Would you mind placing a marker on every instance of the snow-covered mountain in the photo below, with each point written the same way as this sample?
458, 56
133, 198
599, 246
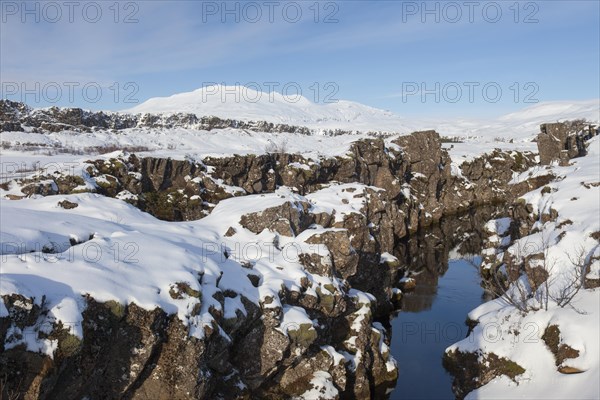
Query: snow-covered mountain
242, 103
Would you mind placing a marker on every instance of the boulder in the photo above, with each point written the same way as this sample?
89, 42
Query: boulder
560, 141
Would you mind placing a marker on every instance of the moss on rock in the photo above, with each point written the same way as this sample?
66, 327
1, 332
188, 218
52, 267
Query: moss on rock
473, 370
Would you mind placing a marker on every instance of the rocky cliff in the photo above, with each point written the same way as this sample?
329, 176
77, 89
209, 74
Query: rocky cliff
542, 262
563, 141
126, 351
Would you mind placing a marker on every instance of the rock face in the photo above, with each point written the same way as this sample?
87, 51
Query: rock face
563, 141
130, 352
512, 253
414, 170
473, 370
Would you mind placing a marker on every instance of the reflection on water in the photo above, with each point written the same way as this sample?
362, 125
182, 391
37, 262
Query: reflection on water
420, 338
432, 317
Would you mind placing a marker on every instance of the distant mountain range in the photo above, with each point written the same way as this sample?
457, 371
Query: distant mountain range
246, 104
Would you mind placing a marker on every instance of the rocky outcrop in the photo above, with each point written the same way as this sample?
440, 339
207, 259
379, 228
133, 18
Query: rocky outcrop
561, 351
130, 352
16, 117
126, 351
416, 173
473, 370
169, 189
562, 141
414, 170
517, 248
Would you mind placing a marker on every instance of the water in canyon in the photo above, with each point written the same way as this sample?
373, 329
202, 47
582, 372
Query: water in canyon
433, 314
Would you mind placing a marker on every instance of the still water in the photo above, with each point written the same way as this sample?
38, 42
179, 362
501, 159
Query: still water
432, 317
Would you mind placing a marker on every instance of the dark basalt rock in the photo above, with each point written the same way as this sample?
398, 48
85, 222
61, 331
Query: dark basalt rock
563, 141
128, 352
68, 205
473, 370
415, 164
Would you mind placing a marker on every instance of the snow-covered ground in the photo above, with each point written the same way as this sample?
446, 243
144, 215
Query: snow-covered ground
239, 102
243, 103
568, 243
181, 143
514, 131
122, 251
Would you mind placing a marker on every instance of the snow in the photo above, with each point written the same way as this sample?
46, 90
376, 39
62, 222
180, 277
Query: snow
293, 318
514, 131
340, 200
538, 170
122, 253
239, 102
322, 387
388, 258
541, 379
28, 337
180, 143
112, 251
517, 336
243, 103
299, 166
127, 195
499, 226
335, 356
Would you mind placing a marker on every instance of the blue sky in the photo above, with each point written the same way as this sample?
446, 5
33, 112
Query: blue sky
381, 53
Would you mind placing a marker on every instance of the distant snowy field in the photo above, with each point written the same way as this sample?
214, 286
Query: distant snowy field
513, 131
239, 103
